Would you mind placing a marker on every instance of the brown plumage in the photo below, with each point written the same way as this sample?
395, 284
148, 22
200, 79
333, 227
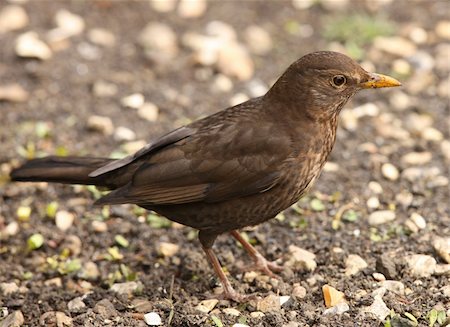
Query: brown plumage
238, 167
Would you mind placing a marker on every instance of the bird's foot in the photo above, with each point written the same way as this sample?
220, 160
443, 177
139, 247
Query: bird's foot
265, 266
232, 295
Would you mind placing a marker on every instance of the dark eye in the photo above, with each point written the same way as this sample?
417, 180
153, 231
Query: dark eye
339, 80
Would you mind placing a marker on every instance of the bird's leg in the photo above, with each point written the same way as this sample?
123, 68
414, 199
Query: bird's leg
261, 263
228, 290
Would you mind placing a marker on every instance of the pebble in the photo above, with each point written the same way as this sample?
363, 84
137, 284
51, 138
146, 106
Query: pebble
103, 89
332, 296
298, 291
378, 309
76, 305
222, 83
422, 61
89, 51
386, 266
401, 67
206, 306
106, 309
73, 244
354, 264
378, 277
375, 187
395, 45
284, 299
152, 319
71, 24
442, 29
168, 249
234, 61
102, 37
238, 98
270, 303
134, 101
446, 291
445, 149
28, 45
148, 111
124, 134
12, 228
240, 325
420, 265
127, 288
54, 282
258, 40
89, 271
159, 42
133, 146
99, 226
13, 18
373, 202
191, 8
303, 4
14, 319
442, 246
163, 6
8, 288
393, 286
404, 198
338, 309
64, 220
432, 134
257, 314
13, 93
400, 101
418, 220
417, 158
390, 172
100, 124
381, 217
232, 312
418, 35
301, 260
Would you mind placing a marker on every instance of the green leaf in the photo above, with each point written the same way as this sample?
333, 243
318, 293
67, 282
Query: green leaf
432, 317
441, 317
412, 318
42, 129
350, 216
388, 323
122, 241
317, 205
69, 266
114, 253
51, 209
156, 221
216, 321
23, 213
35, 241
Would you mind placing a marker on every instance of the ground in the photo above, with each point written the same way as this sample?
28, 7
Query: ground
391, 160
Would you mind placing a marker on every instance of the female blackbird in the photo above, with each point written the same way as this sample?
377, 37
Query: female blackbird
238, 167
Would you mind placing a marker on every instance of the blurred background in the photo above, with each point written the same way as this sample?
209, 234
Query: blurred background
106, 77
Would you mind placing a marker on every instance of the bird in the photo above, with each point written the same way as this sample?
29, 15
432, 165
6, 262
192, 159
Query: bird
236, 168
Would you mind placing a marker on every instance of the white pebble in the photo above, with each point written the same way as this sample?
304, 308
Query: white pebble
390, 171
64, 220
152, 319
28, 45
134, 100
148, 111
12, 18
418, 220
380, 217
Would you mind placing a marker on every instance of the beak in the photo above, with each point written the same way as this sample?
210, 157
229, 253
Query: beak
377, 80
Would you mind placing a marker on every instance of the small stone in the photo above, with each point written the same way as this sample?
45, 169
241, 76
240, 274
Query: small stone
68, 22
432, 134
73, 244
54, 282
298, 291
63, 320
232, 312
378, 277
381, 217
331, 167
418, 220
395, 45
127, 288
442, 246
238, 98
291, 324
76, 305
14, 319
191, 8
257, 314
394, 286
99, 226
222, 83
206, 306
442, 270
354, 264
258, 39
64, 220
338, 309
417, 158
104, 89
301, 260
375, 187
234, 61
303, 4
135, 101
420, 265
373, 202
400, 101
401, 66
332, 296
163, 6
102, 37
409, 224
386, 266
159, 42
378, 309
28, 45
404, 198
390, 171
270, 303
12, 18
442, 29
284, 299
122, 134
89, 271
418, 35
152, 319
133, 146
8, 288
148, 111
106, 309
446, 291
168, 249
12, 228
240, 325
13, 93
100, 124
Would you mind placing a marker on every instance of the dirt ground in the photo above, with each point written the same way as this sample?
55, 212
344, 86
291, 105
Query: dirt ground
407, 129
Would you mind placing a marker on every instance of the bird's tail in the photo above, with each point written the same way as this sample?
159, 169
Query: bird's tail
66, 170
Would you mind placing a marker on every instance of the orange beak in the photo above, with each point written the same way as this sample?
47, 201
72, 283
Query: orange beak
377, 81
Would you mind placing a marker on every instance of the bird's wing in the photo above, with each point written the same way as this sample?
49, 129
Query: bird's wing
218, 162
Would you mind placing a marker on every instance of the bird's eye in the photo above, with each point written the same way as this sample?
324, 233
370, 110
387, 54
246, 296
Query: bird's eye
338, 80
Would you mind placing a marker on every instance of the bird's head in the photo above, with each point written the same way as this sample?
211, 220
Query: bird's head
320, 83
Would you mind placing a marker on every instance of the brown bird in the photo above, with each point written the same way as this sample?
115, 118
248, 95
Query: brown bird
236, 168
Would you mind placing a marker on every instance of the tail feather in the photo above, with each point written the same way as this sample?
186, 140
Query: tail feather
66, 170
